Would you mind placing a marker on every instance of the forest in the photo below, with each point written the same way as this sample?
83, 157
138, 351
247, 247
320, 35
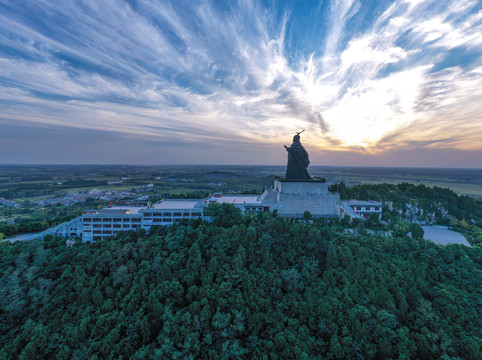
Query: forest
241, 287
36, 219
439, 201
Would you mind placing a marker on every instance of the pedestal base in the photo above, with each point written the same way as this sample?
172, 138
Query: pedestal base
294, 197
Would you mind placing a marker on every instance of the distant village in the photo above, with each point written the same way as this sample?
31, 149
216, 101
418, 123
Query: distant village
71, 199
9, 203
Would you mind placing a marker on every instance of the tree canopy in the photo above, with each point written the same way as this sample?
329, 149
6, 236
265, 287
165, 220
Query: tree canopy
255, 286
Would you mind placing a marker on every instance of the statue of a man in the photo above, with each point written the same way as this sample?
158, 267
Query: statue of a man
298, 160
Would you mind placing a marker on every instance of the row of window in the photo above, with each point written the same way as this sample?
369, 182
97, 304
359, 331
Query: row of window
184, 214
160, 220
138, 220
87, 220
254, 208
117, 229
125, 226
367, 208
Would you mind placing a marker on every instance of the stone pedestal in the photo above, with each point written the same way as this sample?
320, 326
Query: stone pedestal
294, 197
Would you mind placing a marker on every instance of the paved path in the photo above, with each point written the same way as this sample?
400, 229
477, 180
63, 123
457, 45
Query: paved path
443, 236
22, 237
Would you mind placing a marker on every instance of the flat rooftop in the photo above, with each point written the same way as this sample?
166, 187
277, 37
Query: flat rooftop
175, 204
116, 209
236, 199
363, 203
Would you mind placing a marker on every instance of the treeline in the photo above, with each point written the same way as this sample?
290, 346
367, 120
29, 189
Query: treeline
242, 287
427, 199
30, 189
41, 219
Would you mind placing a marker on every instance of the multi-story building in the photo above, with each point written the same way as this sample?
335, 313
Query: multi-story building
104, 223
98, 224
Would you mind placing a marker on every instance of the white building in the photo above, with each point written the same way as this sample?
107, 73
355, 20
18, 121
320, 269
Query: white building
95, 225
105, 223
365, 208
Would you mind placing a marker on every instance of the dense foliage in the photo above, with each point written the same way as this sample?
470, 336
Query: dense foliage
34, 219
241, 287
420, 202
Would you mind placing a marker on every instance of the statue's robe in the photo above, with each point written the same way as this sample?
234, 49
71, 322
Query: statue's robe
298, 161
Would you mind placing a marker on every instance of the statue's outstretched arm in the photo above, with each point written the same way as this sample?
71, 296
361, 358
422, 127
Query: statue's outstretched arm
287, 148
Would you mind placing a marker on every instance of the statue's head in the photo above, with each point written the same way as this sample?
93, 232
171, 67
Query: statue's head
296, 138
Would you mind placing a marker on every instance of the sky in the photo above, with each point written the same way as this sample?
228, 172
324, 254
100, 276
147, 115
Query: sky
372, 83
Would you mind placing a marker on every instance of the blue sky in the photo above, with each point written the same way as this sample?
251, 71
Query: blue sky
379, 83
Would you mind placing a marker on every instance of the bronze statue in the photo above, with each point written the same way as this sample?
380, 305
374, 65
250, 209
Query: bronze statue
298, 160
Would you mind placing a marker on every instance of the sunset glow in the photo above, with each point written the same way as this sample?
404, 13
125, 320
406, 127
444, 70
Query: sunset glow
389, 83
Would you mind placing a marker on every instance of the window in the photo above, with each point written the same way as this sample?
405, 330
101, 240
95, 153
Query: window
358, 208
167, 214
377, 208
125, 220
178, 214
166, 220
197, 214
126, 226
157, 220
156, 214
107, 232
117, 219
97, 232
117, 225
135, 226
186, 214
96, 238
147, 214
97, 219
107, 225
367, 208
97, 225
107, 219
87, 219
136, 220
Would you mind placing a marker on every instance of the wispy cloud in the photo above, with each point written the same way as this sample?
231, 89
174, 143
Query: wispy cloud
377, 77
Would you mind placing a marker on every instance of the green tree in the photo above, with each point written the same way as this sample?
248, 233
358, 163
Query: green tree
416, 230
400, 228
307, 216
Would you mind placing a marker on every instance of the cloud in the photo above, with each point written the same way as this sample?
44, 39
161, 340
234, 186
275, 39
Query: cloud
377, 76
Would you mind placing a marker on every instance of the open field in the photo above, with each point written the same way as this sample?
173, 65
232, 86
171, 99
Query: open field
40, 182
462, 181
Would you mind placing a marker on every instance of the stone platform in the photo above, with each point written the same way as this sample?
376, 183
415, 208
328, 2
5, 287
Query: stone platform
294, 197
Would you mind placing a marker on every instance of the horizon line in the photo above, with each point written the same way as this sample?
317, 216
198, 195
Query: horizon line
257, 165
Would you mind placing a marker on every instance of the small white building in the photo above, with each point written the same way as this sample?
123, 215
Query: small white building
365, 208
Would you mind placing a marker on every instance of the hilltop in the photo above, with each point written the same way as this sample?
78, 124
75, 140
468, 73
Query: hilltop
241, 287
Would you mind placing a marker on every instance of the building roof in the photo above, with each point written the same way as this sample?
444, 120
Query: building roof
363, 203
116, 209
236, 199
177, 204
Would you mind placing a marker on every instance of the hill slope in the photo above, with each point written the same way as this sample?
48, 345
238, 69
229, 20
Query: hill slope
242, 287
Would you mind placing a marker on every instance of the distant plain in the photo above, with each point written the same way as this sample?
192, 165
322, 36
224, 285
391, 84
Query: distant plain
32, 182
